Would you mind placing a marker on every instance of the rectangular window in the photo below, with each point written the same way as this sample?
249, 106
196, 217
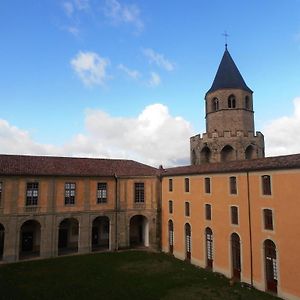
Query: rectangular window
170, 206
207, 185
102, 192
234, 215
187, 184
266, 184
233, 187
170, 185
139, 192
268, 219
187, 209
32, 193
207, 211
70, 189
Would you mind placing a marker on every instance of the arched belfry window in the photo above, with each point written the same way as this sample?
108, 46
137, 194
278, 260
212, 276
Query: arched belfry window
231, 101
247, 102
215, 104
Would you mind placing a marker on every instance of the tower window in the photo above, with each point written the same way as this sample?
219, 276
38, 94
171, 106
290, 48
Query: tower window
187, 209
231, 101
234, 215
247, 102
170, 206
207, 185
170, 185
215, 104
268, 219
207, 211
266, 185
187, 185
233, 185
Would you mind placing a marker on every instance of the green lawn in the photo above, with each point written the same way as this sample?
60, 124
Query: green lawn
124, 275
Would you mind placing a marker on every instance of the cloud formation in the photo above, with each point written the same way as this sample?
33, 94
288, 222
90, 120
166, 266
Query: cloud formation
154, 137
158, 59
90, 68
282, 135
131, 73
154, 80
123, 14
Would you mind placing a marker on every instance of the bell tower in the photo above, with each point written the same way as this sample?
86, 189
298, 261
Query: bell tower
230, 133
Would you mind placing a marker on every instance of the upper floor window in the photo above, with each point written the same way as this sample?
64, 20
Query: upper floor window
266, 185
139, 192
268, 219
233, 185
170, 185
102, 192
0, 191
234, 215
70, 189
231, 101
215, 104
187, 185
207, 211
247, 102
187, 209
207, 185
170, 206
32, 193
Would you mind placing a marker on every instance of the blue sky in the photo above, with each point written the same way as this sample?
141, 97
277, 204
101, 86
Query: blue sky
139, 70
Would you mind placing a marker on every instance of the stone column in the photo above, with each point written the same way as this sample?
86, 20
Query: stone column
84, 234
11, 238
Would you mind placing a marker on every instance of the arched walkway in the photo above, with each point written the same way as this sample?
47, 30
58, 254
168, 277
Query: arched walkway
209, 248
270, 266
139, 231
171, 236
100, 234
68, 234
250, 152
205, 155
227, 154
30, 239
188, 241
2, 236
236, 256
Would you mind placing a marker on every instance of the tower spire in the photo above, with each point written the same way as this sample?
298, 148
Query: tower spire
226, 35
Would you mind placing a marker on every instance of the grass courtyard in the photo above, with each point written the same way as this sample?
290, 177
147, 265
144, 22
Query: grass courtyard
124, 275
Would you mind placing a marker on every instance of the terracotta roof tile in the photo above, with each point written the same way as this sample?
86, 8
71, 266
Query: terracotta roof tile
68, 166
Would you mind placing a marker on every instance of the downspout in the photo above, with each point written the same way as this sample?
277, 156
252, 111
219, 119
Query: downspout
116, 212
250, 227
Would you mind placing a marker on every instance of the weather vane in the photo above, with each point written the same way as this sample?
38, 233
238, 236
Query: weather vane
226, 35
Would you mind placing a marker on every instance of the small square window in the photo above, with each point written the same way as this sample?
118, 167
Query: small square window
102, 192
207, 211
187, 184
187, 209
234, 215
266, 185
170, 206
233, 185
139, 192
70, 189
170, 185
268, 219
207, 185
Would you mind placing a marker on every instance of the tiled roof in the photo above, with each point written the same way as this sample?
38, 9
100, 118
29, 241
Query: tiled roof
260, 164
67, 166
228, 76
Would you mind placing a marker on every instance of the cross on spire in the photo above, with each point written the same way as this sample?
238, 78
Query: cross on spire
226, 35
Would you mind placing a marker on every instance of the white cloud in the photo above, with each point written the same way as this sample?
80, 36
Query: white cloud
82, 4
73, 30
282, 136
68, 8
154, 137
121, 13
158, 59
154, 80
91, 68
131, 73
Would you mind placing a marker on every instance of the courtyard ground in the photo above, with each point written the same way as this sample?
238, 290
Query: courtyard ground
123, 275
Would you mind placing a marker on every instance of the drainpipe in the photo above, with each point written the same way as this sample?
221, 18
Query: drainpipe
116, 212
250, 227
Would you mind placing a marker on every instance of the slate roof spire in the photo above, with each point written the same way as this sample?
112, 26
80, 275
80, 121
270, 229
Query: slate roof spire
228, 75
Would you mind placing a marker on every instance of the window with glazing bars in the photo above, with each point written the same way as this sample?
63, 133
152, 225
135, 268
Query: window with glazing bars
207, 211
102, 192
266, 184
233, 187
139, 192
207, 185
268, 219
32, 193
234, 215
70, 189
